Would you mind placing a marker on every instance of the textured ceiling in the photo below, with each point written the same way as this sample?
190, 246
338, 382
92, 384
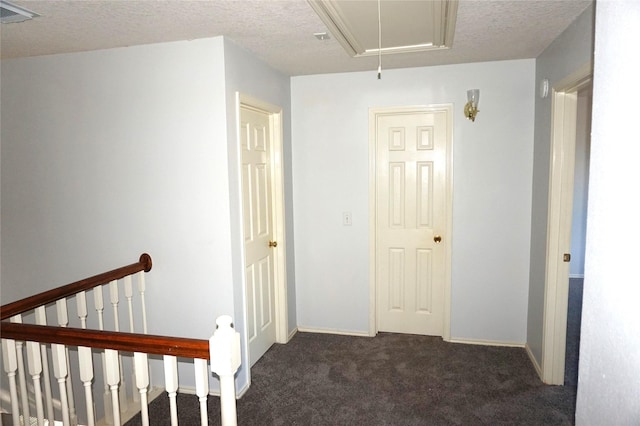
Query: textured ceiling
279, 31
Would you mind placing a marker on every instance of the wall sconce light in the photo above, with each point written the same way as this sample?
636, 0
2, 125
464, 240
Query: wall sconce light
471, 108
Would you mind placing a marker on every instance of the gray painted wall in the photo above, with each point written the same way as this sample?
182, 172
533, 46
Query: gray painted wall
491, 193
111, 153
103, 154
609, 377
565, 55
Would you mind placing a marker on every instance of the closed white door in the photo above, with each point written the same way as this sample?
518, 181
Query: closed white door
255, 134
411, 182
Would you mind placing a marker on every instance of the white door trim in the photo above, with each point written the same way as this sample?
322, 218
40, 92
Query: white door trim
277, 182
373, 116
561, 171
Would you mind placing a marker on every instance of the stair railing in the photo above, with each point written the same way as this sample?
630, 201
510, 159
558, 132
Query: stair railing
42, 340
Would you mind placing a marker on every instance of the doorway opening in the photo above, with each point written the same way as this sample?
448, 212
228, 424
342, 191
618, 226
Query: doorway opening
568, 103
578, 234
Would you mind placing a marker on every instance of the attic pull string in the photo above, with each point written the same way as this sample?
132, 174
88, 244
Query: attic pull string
379, 43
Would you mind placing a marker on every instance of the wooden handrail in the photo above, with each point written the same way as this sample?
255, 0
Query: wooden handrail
128, 342
32, 302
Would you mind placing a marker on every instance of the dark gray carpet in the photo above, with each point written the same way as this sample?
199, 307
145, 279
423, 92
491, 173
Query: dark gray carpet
574, 319
392, 379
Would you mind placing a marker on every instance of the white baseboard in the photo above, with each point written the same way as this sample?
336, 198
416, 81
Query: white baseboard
483, 342
293, 333
190, 390
240, 393
533, 360
333, 331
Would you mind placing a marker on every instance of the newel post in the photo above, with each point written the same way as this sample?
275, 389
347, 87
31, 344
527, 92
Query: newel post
224, 349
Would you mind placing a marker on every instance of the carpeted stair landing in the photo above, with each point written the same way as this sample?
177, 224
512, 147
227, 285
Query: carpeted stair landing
391, 379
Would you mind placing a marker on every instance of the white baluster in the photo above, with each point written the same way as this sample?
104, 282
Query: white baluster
171, 385
10, 362
81, 303
114, 298
128, 294
113, 379
86, 376
59, 358
141, 290
84, 359
202, 387
24, 396
41, 319
224, 348
98, 300
63, 321
63, 315
143, 310
115, 301
141, 368
34, 364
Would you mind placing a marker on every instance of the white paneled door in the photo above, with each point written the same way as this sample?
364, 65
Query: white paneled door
411, 220
255, 134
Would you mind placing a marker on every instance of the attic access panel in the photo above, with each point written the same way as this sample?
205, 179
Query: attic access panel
10, 13
407, 25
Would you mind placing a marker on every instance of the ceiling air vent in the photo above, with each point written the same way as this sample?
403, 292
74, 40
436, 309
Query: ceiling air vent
10, 13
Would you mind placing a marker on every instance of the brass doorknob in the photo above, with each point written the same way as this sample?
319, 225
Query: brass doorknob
437, 239
273, 244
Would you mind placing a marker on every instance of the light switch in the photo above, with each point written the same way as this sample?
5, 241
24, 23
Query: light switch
346, 219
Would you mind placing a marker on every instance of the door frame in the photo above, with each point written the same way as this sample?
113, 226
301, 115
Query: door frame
374, 113
277, 205
559, 219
